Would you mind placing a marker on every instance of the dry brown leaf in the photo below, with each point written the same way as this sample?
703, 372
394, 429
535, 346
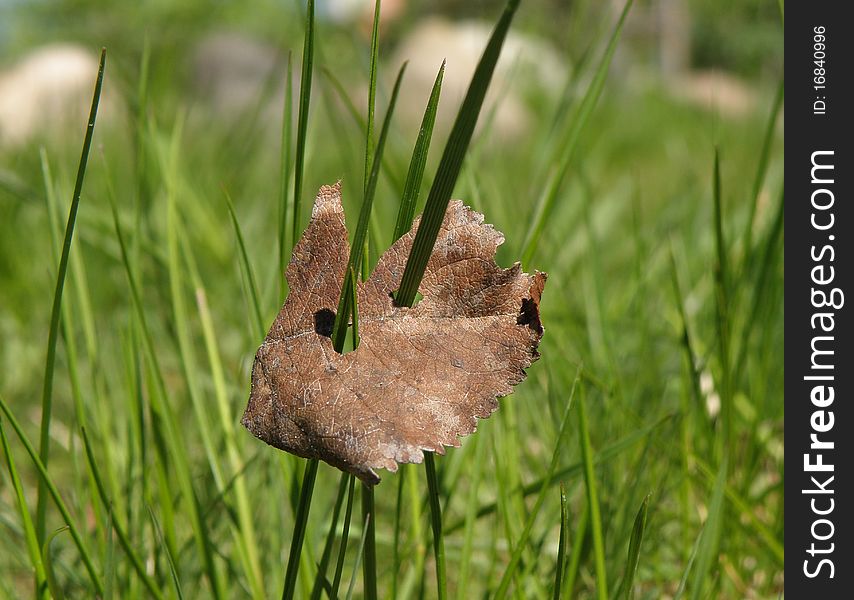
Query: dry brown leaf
421, 376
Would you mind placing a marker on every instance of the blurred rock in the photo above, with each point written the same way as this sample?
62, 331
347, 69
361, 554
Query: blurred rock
48, 92
714, 90
529, 69
361, 12
233, 74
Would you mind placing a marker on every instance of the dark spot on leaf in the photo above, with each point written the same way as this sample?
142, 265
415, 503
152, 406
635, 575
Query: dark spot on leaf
529, 315
324, 320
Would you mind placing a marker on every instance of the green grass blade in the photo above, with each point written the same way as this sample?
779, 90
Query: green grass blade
302, 123
245, 529
436, 524
109, 559
342, 315
683, 581
330, 539
124, 541
687, 345
285, 174
42, 591
247, 269
186, 349
345, 535
549, 195
172, 571
452, 161
563, 541
625, 589
471, 516
770, 255
354, 302
50, 362
369, 546
372, 94
300, 526
522, 541
365, 531
593, 501
710, 537
56, 590
579, 548
412, 186
387, 168
762, 169
57, 498
722, 314
396, 529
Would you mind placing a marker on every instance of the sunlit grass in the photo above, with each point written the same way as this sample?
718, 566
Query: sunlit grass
665, 279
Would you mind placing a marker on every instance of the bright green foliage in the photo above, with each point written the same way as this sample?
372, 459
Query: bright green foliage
665, 288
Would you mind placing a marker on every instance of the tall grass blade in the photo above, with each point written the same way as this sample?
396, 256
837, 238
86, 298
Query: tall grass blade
330, 539
302, 122
770, 255
710, 537
345, 535
412, 185
41, 591
57, 498
50, 361
186, 348
56, 590
579, 548
522, 541
722, 314
475, 478
625, 589
396, 529
593, 501
110, 560
172, 571
547, 199
124, 541
563, 541
369, 546
687, 345
686, 573
300, 527
387, 168
244, 529
365, 530
342, 315
372, 94
436, 524
452, 161
762, 169
247, 269
285, 173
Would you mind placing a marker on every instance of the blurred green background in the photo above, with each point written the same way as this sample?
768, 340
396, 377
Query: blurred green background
670, 353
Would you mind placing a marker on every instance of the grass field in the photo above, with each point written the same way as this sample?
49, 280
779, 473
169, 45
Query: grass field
641, 457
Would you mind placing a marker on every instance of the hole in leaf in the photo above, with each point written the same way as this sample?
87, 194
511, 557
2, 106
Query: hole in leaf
324, 320
418, 298
529, 315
